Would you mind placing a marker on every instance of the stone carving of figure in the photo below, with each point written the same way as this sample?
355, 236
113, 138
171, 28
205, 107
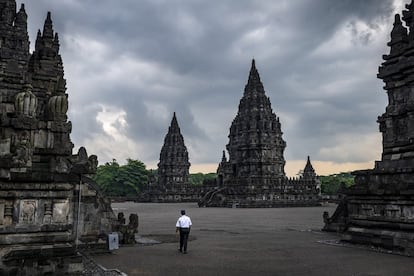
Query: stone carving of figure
133, 222
21, 152
93, 163
28, 212
121, 218
127, 232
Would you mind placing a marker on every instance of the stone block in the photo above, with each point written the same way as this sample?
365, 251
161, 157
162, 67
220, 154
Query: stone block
5, 147
60, 211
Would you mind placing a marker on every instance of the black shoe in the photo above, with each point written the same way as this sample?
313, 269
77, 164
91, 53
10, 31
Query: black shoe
180, 250
185, 252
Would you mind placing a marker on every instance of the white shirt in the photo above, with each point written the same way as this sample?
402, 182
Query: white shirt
184, 222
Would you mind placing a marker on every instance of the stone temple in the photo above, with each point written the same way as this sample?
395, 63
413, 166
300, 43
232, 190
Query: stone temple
48, 204
172, 182
379, 208
254, 175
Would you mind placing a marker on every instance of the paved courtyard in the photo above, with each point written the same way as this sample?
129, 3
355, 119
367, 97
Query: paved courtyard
226, 241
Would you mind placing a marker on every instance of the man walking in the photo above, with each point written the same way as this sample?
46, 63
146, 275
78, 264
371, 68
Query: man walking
183, 225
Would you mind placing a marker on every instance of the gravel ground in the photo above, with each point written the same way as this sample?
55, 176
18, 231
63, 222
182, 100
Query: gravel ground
225, 241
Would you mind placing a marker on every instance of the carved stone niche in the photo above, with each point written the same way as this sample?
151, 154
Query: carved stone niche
60, 211
21, 150
28, 211
5, 147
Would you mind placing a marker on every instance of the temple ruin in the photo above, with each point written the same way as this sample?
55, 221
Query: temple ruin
48, 204
254, 175
379, 208
171, 184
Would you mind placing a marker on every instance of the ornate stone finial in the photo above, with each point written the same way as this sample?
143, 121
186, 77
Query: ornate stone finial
254, 85
58, 105
224, 158
26, 102
56, 44
48, 27
399, 36
38, 43
174, 123
254, 75
309, 171
308, 166
22, 9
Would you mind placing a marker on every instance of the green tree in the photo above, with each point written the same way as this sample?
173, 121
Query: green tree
198, 178
106, 175
125, 180
330, 184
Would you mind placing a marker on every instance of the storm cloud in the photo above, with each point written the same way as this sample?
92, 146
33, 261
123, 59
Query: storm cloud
130, 64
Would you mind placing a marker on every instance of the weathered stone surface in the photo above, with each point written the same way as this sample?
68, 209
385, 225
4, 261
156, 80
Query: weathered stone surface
379, 208
254, 174
41, 181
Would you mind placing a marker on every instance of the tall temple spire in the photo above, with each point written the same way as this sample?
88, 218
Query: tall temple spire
395, 122
254, 84
173, 167
308, 166
253, 173
308, 171
48, 27
174, 123
255, 142
253, 69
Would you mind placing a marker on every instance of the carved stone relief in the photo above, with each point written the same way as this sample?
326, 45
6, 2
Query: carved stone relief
21, 153
28, 211
1, 212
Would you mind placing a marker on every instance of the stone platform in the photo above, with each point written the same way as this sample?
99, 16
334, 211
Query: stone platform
234, 241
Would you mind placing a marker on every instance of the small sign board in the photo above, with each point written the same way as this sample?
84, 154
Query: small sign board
113, 241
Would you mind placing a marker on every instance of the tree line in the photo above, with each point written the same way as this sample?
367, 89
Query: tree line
132, 178
330, 184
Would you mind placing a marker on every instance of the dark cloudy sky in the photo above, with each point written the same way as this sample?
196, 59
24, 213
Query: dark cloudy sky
130, 64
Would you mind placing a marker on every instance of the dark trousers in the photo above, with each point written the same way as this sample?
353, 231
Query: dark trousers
184, 232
